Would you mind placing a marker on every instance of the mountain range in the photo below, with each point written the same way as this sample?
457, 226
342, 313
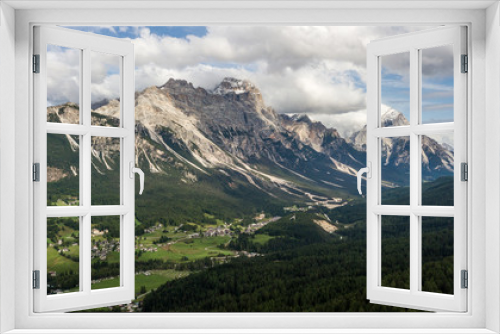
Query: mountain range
227, 142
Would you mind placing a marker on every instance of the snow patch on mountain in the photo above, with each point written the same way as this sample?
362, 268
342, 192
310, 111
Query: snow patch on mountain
232, 85
392, 117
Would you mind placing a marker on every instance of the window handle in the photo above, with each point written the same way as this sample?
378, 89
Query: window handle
368, 171
141, 176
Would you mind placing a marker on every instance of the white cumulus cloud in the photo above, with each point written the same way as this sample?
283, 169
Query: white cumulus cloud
318, 70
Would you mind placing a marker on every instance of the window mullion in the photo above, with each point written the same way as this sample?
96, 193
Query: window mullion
85, 176
414, 168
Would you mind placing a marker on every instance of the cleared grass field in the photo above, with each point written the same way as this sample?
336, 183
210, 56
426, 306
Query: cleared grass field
58, 263
74, 251
193, 249
262, 238
157, 234
219, 221
150, 282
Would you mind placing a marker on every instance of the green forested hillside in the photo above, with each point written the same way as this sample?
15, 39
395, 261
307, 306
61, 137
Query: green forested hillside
324, 274
170, 201
303, 268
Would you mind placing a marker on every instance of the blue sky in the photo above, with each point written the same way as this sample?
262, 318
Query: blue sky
395, 92
133, 32
320, 71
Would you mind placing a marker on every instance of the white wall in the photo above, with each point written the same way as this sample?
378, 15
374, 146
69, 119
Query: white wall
492, 149
7, 159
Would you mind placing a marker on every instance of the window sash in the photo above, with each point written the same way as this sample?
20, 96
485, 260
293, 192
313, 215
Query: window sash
414, 298
86, 298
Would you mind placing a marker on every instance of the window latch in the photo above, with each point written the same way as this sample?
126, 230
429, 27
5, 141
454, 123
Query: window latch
133, 170
368, 171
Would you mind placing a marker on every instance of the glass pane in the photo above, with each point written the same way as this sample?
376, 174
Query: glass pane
395, 171
395, 89
437, 169
105, 187
63, 164
395, 251
105, 89
63, 84
105, 248
437, 254
437, 84
63, 255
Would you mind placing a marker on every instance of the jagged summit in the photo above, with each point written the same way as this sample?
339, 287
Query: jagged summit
235, 86
176, 83
392, 117
301, 118
227, 87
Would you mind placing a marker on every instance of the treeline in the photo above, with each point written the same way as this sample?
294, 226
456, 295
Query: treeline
64, 281
196, 265
291, 231
103, 269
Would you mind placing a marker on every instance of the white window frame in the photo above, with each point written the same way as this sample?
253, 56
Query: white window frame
483, 311
86, 43
412, 44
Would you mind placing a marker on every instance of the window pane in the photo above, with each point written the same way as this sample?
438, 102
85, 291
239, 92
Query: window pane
396, 251
437, 169
105, 248
105, 89
63, 84
63, 164
437, 84
395, 171
395, 89
105, 171
63, 255
437, 254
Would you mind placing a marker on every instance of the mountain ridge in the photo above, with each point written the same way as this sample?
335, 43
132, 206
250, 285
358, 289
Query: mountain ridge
231, 132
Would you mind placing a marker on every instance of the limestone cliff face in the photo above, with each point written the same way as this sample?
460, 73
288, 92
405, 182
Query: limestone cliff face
236, 119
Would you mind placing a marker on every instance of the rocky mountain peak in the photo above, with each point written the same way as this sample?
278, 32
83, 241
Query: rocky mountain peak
389, 117
301, 118
177, 84
234, 86
182, 88
392, 117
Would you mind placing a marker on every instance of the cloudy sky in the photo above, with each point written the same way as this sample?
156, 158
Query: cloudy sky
317, 70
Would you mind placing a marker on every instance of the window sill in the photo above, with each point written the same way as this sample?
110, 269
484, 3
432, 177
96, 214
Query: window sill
248, 331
